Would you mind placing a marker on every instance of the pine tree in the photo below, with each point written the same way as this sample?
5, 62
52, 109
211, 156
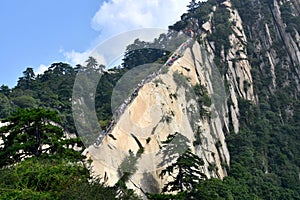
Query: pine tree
186, 171
33, 132
91, 62
28, 77
192, 6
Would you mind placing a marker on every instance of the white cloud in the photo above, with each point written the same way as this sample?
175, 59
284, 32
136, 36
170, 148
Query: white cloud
116, 16
119, 16
41, 69
73, 57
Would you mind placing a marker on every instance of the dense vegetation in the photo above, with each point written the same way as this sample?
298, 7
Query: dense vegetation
264, 154
39, 162
38, 112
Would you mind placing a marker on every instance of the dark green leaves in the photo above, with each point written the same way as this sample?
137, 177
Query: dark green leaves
32, 132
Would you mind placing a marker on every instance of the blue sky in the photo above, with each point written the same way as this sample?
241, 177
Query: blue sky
36, 33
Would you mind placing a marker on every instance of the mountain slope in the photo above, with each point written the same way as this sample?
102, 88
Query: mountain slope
254, 45
219, 118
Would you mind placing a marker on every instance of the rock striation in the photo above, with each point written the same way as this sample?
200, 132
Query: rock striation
167, 103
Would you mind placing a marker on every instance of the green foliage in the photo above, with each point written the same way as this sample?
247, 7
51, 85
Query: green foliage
30, 170
186, 170
26, 81
211, 189
267, 144
25, 101
264, 162
54, 88
91, 62
104, 92
5, 106
248, 15
181, 80
141, 52
44, 174
222, 30
127, 167
189, 172
38, 178
264, 154
31, 132
292, 21
198, 139
203, 99
261, 155
175, 144
4, 89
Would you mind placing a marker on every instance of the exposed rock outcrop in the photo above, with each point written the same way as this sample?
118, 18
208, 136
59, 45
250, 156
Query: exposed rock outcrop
163, 107
167, 104
160, 110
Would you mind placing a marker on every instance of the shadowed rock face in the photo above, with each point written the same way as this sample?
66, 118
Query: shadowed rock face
162, 108
274, 37
165, 105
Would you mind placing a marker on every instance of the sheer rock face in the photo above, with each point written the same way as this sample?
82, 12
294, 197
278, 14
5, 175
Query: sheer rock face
291, 40
238, 76
163, 107
276, 41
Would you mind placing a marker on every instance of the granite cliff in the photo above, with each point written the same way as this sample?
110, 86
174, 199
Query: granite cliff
221, 61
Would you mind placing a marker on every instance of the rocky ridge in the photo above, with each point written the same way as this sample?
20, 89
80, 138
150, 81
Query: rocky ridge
163, 106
